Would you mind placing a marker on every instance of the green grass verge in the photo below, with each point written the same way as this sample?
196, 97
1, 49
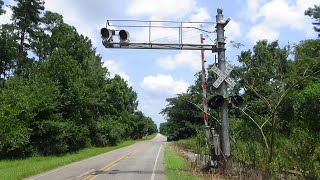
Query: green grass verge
196, 144
176, 166
18, 169
149, 137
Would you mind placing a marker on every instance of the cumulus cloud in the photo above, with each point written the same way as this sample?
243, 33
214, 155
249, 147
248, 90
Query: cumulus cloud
277, 14
186, 59
160, 10
261, 32
200, 15
163, 85
87, 16
171, 10
152, 107
115, 68
157, 35
233, 30
252, 11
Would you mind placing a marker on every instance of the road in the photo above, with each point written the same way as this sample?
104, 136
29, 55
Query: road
142, 161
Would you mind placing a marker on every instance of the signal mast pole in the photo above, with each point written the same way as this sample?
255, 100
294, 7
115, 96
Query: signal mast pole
225, 141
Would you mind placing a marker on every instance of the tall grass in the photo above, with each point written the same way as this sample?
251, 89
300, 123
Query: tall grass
196, 144
176, 166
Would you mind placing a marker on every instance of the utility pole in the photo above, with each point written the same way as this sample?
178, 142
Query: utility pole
225, 141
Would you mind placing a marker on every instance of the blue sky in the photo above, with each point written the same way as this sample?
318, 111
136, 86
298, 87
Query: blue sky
157, 74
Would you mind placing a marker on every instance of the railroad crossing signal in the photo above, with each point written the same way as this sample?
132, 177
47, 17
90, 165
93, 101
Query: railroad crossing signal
218, 47
223, 76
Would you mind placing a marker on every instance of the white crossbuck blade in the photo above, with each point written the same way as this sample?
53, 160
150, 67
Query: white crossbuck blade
223, 76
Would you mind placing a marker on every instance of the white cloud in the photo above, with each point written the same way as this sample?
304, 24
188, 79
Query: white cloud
200, 15
233, 30
168, 9
163, 85
277, 14
115, 68
72, 15
186, 59
152, 107
252, 10
160, 10
171, 35
262, 32
87, 16
157, 35
191, 35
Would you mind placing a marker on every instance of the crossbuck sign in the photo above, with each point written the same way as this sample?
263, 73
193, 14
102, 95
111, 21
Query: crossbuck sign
223, 76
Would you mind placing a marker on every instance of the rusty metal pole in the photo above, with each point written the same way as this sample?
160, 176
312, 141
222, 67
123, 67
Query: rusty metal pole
204, 91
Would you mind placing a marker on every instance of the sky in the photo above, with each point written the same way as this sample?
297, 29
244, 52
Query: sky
159, 74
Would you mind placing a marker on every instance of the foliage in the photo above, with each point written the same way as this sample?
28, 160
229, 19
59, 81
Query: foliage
26, 18
8, 49
61, 99
277, 129
109, 132
196, 144
164, 128
183, 117
275, 102
315, 14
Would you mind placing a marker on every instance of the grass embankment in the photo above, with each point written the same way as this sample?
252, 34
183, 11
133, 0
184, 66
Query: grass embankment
195, 144
18, 169
176, 167
149, 137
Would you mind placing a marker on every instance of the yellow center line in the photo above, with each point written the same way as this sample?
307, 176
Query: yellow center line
109, 166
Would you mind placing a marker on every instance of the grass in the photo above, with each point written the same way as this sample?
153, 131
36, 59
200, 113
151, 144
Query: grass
195, 144
18, 169
149, 137
176, 166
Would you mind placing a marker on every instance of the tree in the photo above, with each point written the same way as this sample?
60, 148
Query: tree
43, 42
8, 52
164, 128
26, 17
62, 99
276, 90
315, 14
182, 116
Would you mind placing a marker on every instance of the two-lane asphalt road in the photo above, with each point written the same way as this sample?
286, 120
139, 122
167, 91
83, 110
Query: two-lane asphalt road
141, 161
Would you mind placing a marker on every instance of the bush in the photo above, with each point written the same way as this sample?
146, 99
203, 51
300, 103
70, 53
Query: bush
109, 132
51, 137
21, 102
14, 137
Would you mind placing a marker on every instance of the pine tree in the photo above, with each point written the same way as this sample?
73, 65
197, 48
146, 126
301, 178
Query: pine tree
26, 17
315, 14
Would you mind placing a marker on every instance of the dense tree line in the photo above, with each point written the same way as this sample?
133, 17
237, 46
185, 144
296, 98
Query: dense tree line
277, 129
55, 95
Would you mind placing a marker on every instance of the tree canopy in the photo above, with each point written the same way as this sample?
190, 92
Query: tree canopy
278, 125
60, 99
